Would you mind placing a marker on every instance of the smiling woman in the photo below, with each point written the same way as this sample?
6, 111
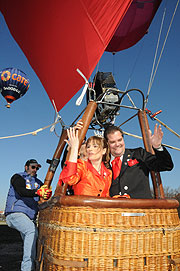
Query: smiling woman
91, 177
97, 151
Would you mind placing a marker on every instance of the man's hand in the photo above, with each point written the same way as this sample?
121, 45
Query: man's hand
40, 192
44, 192
156, 138
47, 194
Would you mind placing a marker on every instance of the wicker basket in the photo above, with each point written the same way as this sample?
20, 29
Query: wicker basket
105, 239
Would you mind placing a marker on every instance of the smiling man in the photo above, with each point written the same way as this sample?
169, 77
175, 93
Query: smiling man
131, 167
22, 209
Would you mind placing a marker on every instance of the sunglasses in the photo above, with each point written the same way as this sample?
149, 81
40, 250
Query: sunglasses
34, 167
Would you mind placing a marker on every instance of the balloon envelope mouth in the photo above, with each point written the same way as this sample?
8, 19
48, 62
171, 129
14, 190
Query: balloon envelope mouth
9, 98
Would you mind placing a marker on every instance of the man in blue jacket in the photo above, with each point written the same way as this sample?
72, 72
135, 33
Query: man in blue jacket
22, 209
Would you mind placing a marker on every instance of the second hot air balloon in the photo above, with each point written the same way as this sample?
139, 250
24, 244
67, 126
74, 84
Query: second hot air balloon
13, 84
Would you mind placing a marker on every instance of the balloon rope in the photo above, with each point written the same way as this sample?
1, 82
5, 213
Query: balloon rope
157, 46
140, 137
132, 72
41, 129
135, 64
167, 127
33, 132
151, 81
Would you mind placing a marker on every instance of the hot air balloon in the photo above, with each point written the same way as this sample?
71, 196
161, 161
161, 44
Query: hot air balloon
13, 84
57, 52
135, 234
134, 25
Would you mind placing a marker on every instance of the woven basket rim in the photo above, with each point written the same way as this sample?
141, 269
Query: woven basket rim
96, 202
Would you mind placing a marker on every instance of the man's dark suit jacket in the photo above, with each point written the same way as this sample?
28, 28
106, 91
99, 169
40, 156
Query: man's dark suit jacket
134, 176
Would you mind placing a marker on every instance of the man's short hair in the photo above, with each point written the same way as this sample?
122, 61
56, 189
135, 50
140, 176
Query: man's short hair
111, 129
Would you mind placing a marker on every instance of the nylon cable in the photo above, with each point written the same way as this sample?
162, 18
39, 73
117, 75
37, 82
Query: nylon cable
132, 71
150, 81
31, 133
163, 47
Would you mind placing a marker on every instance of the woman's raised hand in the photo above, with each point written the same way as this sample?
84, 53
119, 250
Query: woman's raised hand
73, 140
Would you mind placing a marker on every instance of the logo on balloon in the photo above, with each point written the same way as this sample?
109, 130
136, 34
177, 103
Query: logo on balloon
5, 76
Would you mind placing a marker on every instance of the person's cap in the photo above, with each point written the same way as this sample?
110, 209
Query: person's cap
32, 162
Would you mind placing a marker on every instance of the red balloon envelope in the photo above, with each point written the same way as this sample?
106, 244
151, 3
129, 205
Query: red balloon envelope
134, 25
58, 37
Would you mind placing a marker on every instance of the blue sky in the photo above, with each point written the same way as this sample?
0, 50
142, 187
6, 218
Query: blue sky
34, 110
